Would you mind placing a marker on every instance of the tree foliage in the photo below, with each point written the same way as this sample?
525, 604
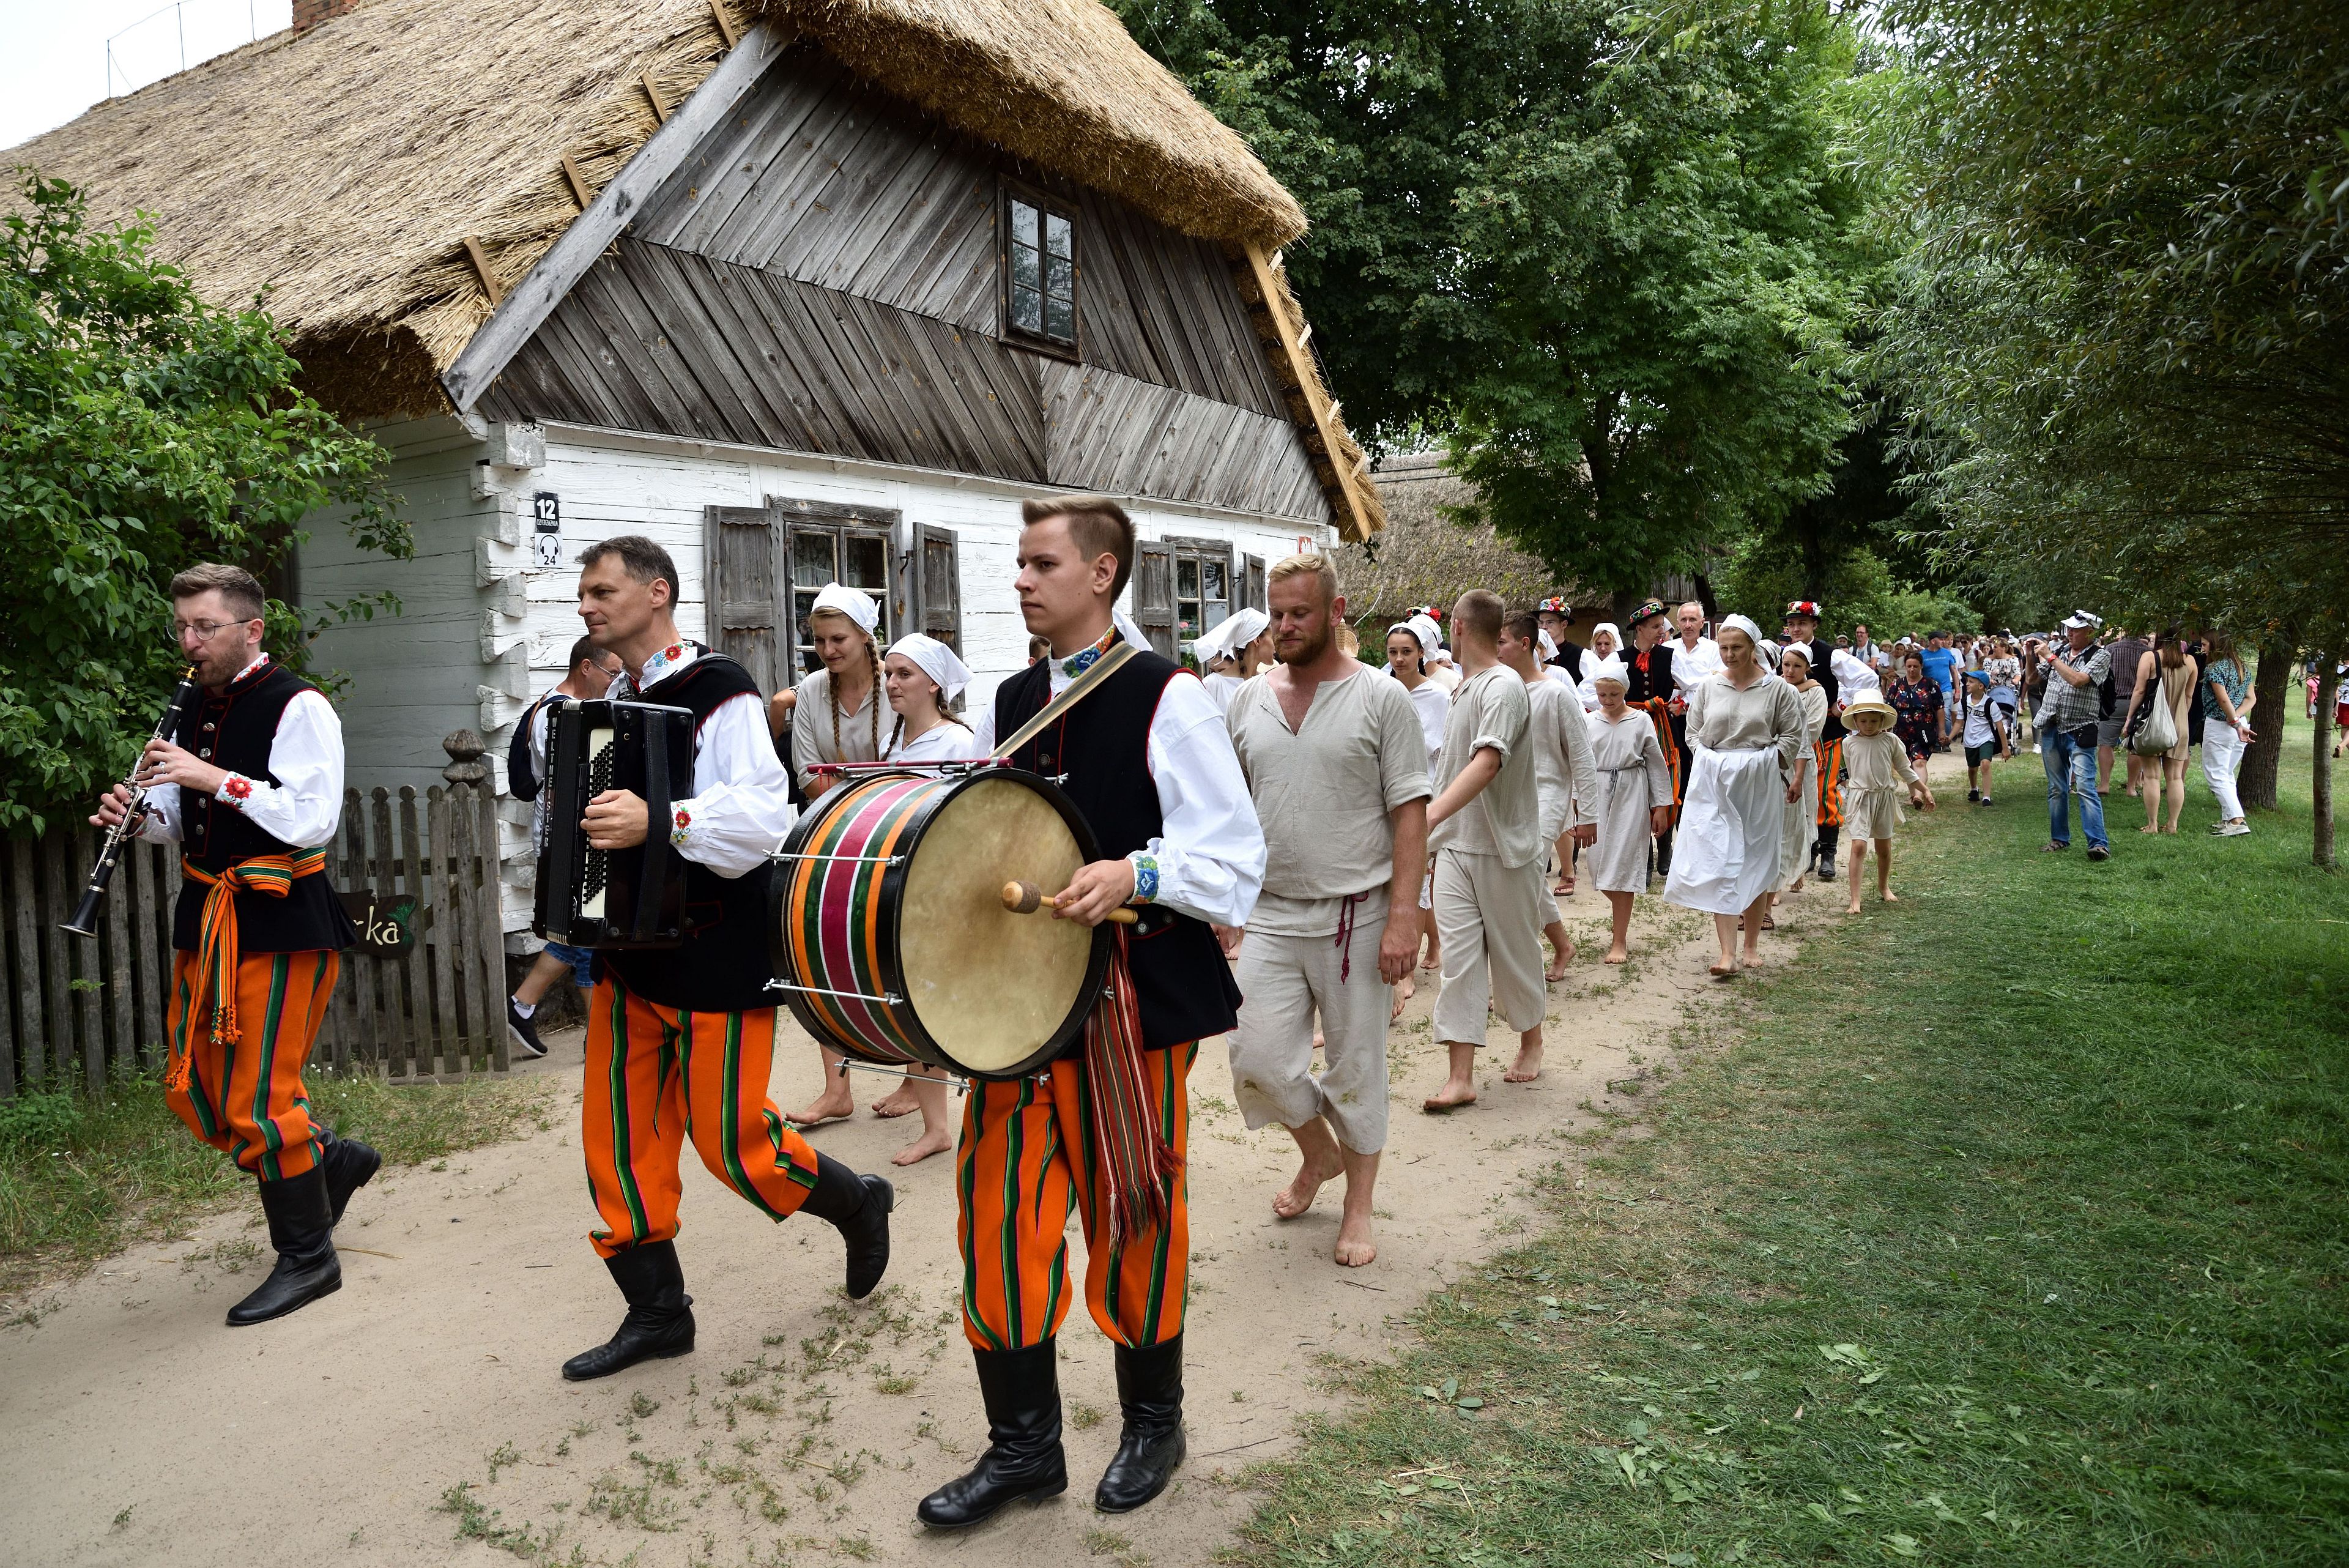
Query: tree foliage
2121, 324
1609, 256
141, 429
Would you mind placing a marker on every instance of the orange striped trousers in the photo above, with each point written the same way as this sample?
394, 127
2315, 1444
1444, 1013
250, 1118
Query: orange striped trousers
248, 1099
1026, 1160
659, 1076
1830, 756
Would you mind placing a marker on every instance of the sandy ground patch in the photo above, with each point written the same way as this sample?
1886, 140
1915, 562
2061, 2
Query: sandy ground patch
135, 1428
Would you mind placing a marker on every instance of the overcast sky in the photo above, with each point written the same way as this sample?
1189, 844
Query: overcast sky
53, 62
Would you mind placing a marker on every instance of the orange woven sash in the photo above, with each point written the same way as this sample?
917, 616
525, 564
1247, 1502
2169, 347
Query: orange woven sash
216, 936
1128, 1141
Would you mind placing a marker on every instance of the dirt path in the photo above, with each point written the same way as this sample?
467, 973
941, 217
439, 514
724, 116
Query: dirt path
134, 1429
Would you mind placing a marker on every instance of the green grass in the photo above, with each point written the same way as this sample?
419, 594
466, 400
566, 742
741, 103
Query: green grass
2008, 1226
80, 1176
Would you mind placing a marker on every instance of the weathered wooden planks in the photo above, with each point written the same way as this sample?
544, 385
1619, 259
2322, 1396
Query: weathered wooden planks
1115, 433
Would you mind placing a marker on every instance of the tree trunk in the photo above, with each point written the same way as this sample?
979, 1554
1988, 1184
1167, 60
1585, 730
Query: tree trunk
2273, 684
2320, 780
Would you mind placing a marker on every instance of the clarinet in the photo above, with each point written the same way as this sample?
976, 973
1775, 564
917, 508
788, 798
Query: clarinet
84, 918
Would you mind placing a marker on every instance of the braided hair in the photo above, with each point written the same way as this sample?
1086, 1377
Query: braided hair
872, 702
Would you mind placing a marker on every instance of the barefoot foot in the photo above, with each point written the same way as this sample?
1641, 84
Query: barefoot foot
1891, 896
922, 1148
1354, 1246
1404, 990
1852, 907
896, 1103
1449, 1098
832, 1107
1617, 955
1525, 1068
1297, 1196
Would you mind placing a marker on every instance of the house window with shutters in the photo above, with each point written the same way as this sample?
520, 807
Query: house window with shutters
1203, 587
765, 565
1254, 598
1153, 594
937, 585
1039, 270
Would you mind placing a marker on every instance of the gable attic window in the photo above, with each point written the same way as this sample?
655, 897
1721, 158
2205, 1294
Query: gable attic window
1039, 270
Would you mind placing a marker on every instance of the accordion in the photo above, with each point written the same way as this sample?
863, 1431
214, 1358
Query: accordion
634, 898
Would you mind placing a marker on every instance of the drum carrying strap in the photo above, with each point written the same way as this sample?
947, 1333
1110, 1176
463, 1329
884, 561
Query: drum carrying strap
1129, 1145
1083, 687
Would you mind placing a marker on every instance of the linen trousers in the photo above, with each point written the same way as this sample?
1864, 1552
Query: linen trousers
1285, 982
1490, 918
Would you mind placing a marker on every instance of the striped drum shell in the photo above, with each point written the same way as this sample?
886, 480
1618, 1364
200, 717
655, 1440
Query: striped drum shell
889, 930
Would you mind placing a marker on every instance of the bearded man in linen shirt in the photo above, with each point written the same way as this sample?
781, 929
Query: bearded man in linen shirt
1337, 766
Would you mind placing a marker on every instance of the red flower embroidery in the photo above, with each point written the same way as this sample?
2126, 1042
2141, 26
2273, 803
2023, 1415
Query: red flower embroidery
684, 820
673, 653
236, 787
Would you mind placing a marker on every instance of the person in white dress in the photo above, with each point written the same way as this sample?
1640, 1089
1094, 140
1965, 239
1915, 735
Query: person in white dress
1745, 733
1409, 645
1802, 810
1231, 650
922, 677
836, 717
1635, 797
1606, 643
1876, 768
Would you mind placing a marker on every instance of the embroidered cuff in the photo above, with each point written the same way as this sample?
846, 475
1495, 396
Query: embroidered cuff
235, 790
1146, 876
681, 827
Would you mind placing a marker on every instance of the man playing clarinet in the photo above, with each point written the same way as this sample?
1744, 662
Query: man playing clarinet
1149, 762
680, 1040
258, 767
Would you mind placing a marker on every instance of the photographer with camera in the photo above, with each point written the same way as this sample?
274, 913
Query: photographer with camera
2069, 713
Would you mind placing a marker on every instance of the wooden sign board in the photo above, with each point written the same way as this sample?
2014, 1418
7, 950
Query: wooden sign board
387, 924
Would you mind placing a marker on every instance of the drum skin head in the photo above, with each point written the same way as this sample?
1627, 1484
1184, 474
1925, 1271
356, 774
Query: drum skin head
990, 986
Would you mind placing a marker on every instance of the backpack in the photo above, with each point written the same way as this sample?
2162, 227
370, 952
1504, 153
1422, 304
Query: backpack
522, 767
2106, 702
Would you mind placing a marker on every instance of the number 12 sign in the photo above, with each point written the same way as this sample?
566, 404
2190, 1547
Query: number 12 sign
546, 521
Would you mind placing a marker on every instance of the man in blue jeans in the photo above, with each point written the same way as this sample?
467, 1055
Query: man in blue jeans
2066, 721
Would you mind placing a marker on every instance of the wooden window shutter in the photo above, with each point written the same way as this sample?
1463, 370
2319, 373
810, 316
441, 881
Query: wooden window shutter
1153, 594
1254, 598
937, 585
739, 579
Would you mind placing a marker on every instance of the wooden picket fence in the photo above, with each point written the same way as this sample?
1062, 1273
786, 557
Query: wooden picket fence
78, 1011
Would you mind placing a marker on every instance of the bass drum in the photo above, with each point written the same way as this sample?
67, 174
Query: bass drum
890, 935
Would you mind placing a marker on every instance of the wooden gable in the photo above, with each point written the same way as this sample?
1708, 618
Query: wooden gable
820, 272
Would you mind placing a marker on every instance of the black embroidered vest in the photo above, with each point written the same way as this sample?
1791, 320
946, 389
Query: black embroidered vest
724, 964
1181, 979
234, 729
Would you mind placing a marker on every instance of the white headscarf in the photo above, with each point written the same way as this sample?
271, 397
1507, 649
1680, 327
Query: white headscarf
1766, 651
1753, 633
1611, 630
1423, 628
1547, 644
938, 661
1608, 668
853, 603
1129, 631
1229, 635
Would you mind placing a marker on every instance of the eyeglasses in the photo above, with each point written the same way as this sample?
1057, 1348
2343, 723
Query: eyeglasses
205, 631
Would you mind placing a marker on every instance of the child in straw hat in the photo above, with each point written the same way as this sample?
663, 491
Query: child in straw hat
1876, 764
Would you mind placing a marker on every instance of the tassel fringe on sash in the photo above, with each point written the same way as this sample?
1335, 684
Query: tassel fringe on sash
1127, 1138
216, 939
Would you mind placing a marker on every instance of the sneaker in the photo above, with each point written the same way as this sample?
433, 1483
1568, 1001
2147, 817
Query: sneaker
1985, 800
2237, 829
1973, 796
522, 1030
2100, 852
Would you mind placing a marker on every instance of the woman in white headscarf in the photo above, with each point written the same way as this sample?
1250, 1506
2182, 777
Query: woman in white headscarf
1794, 669
924, 677
1635, 797
1410, 644
1606, 643
837, 719
1746, 732
1231, 650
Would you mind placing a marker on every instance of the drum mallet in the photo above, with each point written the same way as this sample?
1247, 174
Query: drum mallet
1025, 898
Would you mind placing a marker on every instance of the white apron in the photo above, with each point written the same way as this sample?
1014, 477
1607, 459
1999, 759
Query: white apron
1725, 854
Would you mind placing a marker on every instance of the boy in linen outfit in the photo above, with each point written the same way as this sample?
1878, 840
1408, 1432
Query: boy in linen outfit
1337, 764
1485, 829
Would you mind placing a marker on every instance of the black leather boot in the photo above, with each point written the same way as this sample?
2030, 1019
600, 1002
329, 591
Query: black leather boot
349, 1166
302, 1229
1664, 853
1150, 1391
1828, 837
859, 1206
660, 1314
1023, 1459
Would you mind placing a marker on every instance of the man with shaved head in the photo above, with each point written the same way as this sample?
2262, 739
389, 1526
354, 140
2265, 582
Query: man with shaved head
1695, 657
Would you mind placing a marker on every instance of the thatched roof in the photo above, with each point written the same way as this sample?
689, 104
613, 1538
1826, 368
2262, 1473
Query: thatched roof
1424, 557
343, 168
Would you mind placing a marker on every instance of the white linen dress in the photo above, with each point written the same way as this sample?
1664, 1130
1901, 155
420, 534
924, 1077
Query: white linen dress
1633, 779
1733, 817
1792, 862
